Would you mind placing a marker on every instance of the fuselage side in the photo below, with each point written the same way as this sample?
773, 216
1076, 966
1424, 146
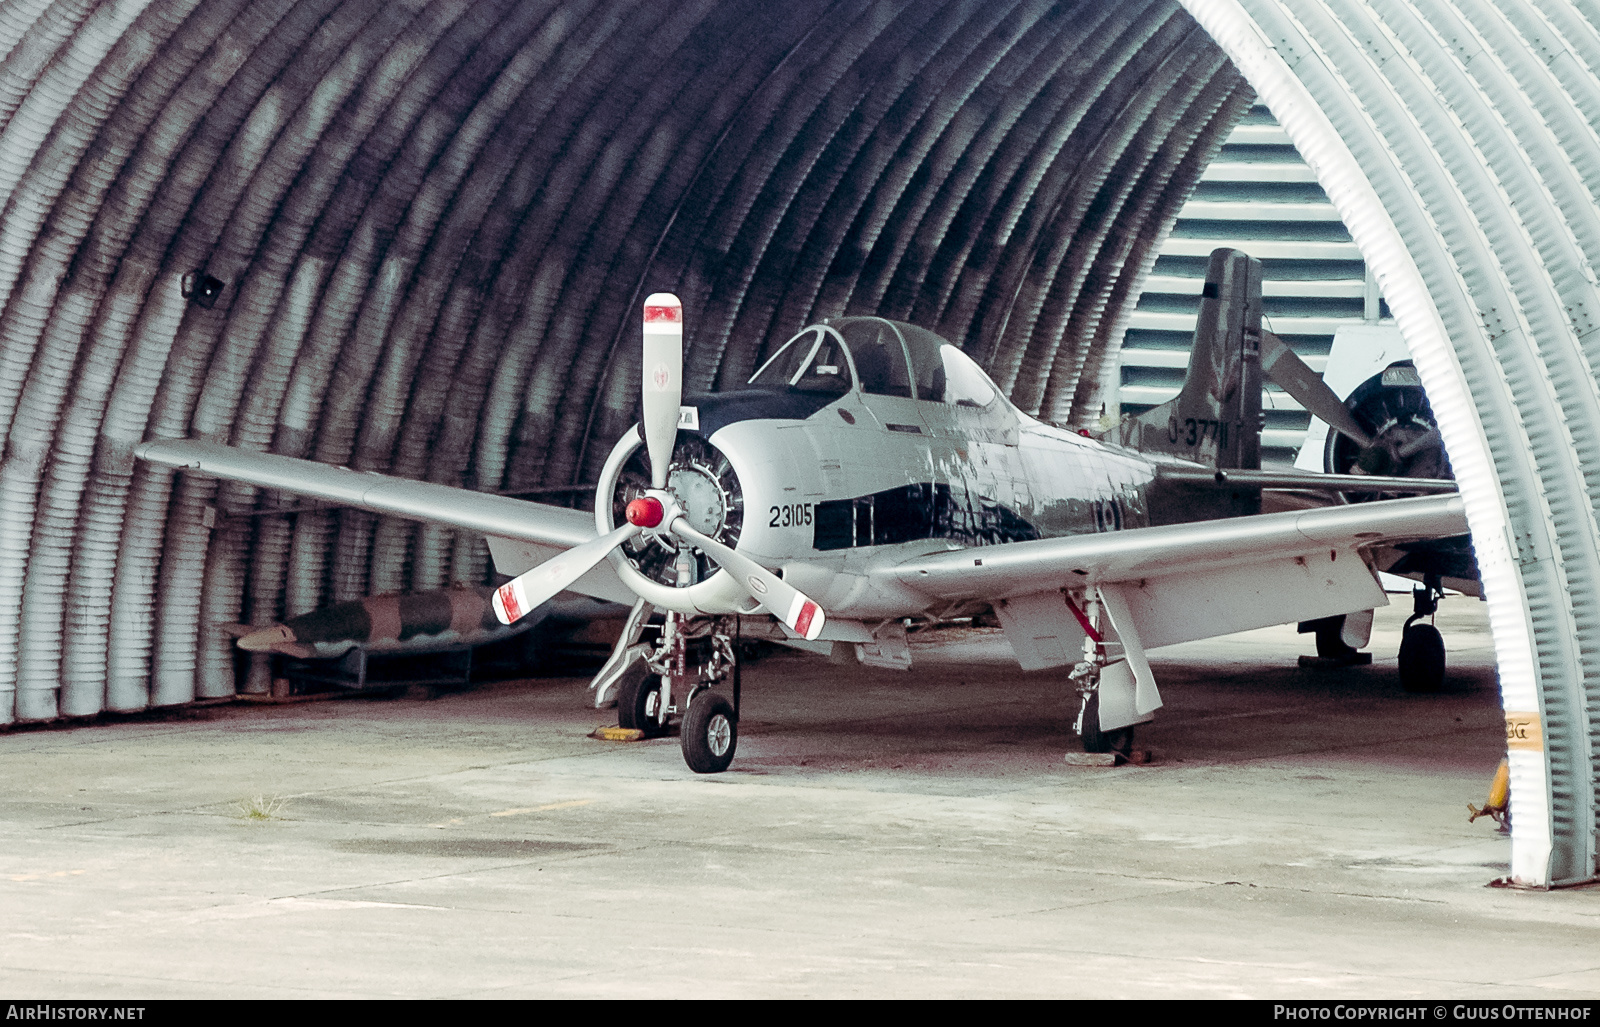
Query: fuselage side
863, 443
827, 499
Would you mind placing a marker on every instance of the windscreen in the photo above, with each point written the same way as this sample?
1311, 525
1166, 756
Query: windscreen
879, 355
812, 361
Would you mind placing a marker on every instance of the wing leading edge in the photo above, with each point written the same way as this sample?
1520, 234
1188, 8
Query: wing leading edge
1020, 568
498, 516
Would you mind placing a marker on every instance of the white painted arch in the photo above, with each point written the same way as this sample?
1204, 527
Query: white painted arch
1457, 141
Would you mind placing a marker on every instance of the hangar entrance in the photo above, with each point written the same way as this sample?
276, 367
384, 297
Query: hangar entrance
1397, 127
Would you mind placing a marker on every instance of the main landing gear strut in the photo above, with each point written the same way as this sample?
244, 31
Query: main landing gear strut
675, 680
1085, 677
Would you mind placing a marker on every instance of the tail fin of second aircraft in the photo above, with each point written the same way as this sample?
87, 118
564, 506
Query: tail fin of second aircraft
1216, 418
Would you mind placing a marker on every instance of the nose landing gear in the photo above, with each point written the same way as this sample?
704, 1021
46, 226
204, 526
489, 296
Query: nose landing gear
1421, 646
710, 733
692, 656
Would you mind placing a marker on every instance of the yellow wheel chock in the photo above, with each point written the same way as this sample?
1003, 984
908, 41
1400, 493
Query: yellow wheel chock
1498, 806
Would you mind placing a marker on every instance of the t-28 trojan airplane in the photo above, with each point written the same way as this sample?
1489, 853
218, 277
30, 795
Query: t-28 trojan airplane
870, 476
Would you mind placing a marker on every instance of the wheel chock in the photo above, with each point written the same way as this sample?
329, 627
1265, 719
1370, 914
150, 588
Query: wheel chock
1108, 759
607, 733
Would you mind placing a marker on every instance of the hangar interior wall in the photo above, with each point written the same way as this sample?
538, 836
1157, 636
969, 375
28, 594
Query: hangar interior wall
414, 236
1457, 140
1259, 196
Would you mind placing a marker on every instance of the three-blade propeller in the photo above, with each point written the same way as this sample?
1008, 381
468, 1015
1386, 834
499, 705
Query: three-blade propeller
1281, 364
658, 512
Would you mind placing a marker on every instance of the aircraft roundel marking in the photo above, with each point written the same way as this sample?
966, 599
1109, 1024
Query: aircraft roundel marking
757, 585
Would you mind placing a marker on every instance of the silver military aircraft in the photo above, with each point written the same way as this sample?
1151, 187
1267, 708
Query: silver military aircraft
871, 481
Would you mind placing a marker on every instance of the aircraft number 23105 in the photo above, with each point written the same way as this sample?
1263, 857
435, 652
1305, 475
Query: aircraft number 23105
791, 515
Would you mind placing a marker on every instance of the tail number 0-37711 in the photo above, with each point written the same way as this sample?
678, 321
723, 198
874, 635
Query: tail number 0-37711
1196, 431
792, 515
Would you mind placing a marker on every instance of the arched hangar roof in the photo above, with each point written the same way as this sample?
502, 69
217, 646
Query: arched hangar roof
410, 235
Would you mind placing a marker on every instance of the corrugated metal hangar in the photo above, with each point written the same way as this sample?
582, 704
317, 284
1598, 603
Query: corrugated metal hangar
413, 237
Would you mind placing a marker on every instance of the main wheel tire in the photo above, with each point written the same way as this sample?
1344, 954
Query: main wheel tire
1096, 740
1330, 638
638, 701
1422, 659
710, 734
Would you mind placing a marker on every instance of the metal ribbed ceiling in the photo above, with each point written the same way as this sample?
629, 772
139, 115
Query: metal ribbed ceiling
431, 223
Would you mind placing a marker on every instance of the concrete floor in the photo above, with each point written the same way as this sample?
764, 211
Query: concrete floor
1302, 834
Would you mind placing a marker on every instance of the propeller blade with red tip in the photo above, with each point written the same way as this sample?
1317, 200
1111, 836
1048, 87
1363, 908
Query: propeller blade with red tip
522, 594
797, 610
663, 380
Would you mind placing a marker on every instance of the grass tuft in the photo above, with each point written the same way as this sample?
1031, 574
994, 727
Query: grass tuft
262, 807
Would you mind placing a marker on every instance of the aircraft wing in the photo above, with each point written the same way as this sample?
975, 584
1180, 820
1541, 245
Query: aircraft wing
1186, 581
497, 516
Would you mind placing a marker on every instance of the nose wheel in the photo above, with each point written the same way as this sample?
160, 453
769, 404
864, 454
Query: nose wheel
710, 733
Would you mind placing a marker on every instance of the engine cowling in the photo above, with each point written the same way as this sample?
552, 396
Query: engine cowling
708, 487
1406, 441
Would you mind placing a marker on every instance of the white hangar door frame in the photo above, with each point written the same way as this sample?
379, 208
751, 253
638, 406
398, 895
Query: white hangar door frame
1455, 140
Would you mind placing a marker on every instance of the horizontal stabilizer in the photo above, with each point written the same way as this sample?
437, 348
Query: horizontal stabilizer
1311, 480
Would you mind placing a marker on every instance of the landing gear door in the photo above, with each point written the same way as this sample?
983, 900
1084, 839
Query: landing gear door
1042, 631
1147, 698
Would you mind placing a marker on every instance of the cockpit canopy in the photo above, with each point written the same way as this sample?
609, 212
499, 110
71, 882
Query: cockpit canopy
881, 357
